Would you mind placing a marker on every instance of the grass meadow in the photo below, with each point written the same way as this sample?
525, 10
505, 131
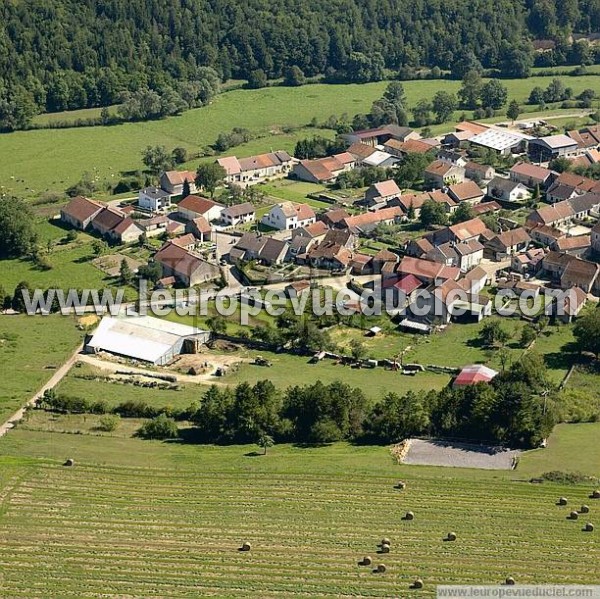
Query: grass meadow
40, 160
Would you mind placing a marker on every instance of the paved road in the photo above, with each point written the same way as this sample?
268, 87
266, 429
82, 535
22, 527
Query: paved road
54, 380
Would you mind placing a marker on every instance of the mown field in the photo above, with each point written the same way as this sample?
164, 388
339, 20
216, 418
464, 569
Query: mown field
31, 349
40, 160
146, 519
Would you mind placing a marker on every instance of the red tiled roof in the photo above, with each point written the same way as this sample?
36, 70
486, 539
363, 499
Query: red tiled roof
81, 208
197, 204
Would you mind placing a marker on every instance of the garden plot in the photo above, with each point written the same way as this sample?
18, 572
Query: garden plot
459, 455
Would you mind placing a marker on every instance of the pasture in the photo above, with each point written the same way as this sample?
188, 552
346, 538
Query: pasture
139, 518
40, 160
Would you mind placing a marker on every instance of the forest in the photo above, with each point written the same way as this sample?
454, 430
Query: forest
68, 54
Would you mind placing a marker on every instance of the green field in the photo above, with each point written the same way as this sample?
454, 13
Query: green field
136, 518
40, 160
31, 348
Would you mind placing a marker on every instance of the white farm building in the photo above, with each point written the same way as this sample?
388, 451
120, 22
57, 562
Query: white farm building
145, 338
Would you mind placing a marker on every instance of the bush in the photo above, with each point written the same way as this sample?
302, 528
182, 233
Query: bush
566, 478
161, 427
109, 423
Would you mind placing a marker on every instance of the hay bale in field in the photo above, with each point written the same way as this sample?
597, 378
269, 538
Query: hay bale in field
366, 561
417, 584
451, 536
380, 568
584, 509
69, 462
573, 515
589, 527
385, 548
509, 581
595, 494
245, 547
401, 485
562, 501
409, 516
385, 541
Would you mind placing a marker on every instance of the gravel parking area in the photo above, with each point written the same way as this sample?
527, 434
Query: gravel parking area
459, 455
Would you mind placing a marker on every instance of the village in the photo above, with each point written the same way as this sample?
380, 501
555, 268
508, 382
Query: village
471, 226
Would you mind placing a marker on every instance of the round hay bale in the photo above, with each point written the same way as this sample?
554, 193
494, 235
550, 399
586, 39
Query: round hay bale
562, 501
385, 548
69, 462
401, 485
573, 515
589, 527
451, 536
595, 494
409, 516
366, 561
584, 509
246, 547
509, 580
417, 584
381, 568
385, 541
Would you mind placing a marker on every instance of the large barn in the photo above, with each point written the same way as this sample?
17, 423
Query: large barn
145, 338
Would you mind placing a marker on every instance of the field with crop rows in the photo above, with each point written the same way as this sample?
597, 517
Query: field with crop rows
173, 528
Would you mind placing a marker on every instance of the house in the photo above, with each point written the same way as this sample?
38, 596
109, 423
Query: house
126, 231
571, 305
456, 303
578, 207
441, 174
365, 223
239, 214
453, 157
467, 191
297, 289
464, 255
380, 159
247, 248
479, 172
458, 139
474, 280
528, 262
333, 218
580, 273
200, 228
585, 160
554, 265
417, 248
544, 149
471, 126
382, 191
289, 215
472, 375
360, 151
361, 264
545, 235
486, 207
430, 273
559, 192
173, 182
315, 231
403, 148
500, 141
153, 199
194, 206
187, 241
380, 135
157, 225
507, 243
80, 212
188, 268
343, 237
507, 190
382, 258
577, 245
402, 290
531, 175
255, 169
114, 225
330, 256
469, 230
273, 251
323, 170
587, 138
595, 238
413, 202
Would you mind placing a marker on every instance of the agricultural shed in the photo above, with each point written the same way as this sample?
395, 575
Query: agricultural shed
144, 338
471, 375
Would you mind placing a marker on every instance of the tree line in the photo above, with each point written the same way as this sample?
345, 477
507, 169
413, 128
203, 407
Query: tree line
70, 54
518, 409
